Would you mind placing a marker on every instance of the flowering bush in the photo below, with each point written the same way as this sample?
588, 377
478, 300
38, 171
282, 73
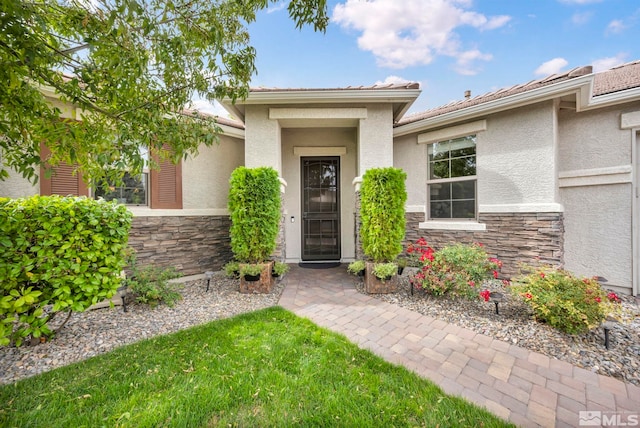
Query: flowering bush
570, 304
455, 269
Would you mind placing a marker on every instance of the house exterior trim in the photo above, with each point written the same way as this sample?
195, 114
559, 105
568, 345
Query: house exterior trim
453, 132
596, 176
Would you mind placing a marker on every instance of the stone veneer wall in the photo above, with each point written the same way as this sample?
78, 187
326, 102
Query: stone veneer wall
513, 238
191, 244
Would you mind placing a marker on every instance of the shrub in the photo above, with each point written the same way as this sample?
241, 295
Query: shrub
150, 285
280, 268
384, 271
65, 252
382, 199
570, 304
356, 267
232, 269
455, 269
254, 207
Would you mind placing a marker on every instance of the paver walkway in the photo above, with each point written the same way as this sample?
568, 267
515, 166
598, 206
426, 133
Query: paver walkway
524, 387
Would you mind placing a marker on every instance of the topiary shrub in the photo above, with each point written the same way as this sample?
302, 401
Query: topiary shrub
254, 207
65, 252
382, 199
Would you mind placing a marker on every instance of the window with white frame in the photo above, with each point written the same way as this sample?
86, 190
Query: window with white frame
134, 189
451, 183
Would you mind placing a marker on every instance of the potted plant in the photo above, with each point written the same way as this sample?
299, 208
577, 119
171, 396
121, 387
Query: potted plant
402, 263
232, 269
251, 272
385, 271
382, 199
255, 210
356, 267
279, 269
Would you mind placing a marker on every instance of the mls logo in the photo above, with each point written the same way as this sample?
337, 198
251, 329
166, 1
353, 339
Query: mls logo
590, 419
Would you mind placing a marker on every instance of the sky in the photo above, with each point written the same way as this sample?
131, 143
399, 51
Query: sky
447, 46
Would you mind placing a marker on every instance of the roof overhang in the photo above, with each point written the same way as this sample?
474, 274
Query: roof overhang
581, 87
400, 99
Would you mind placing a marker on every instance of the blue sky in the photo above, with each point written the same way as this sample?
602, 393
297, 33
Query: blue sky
448, 46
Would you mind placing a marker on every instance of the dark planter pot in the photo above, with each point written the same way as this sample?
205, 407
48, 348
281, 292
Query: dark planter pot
400, 270
252, 278
361, 273
275, 275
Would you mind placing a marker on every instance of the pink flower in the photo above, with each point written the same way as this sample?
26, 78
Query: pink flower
528, 295
542, 275
613, 297
506, 282
485, 294
495, 274
471, 283
598, 299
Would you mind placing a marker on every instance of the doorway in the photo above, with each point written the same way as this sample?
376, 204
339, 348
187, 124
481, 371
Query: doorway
320, 208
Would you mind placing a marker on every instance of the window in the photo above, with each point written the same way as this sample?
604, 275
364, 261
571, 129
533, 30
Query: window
451, 184
133, 192
134, 189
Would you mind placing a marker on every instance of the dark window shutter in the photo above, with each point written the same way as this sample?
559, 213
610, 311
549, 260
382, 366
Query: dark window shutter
62, 181
166, 186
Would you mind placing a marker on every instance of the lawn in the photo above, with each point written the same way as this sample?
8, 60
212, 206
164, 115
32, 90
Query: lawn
265, 368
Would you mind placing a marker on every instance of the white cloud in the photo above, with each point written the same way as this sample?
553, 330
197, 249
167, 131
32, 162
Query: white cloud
581, 18
413, 32
604, 64
277, 7
552, 66
204, 106
616, 26
395, 80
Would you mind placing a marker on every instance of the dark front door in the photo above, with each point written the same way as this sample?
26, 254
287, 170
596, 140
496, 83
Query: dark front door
320, 208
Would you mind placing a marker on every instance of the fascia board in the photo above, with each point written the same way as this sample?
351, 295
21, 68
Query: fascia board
329, 96
579, 86
606, 100
230, 131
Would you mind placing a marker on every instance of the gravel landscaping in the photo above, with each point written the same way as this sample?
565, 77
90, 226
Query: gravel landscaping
99, 331
515, 324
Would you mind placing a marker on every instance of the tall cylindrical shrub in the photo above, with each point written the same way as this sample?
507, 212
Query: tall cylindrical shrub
254, 207
382, 199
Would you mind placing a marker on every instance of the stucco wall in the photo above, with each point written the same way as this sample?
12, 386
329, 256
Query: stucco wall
375, 138
17, 187
262, 138
598, 216
515, 157
411, 157
205, 178
322, 137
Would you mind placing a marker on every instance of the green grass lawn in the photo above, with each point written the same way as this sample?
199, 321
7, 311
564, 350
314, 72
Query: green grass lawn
266, 368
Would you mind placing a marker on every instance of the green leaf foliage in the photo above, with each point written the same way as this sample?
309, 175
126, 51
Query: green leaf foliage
382, 199
254, 207
128, 66
61, 251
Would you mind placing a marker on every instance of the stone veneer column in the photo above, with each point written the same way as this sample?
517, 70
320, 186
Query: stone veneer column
281, 240
513, 238
358, 226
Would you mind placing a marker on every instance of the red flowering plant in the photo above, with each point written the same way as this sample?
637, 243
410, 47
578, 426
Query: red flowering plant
457, 269
564, 301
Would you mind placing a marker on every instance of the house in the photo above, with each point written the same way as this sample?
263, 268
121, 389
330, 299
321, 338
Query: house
544, 170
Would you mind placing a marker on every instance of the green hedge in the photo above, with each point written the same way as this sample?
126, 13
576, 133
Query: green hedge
61, 251
254, 206
382, 199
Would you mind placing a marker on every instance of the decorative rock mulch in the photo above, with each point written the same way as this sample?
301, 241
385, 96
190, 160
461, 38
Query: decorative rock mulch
515, 324
98, 331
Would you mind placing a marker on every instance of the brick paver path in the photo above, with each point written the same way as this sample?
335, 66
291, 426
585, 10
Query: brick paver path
524, 387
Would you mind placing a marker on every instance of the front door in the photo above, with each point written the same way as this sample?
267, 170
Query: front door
320, 208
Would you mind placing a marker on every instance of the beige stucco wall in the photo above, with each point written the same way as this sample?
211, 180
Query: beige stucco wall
411, 157
516, 158
262, 138
320, 137
598, 199
205, 178
17, 187
375, 137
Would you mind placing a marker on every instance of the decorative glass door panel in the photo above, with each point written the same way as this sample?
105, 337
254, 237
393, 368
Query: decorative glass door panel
320, 208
